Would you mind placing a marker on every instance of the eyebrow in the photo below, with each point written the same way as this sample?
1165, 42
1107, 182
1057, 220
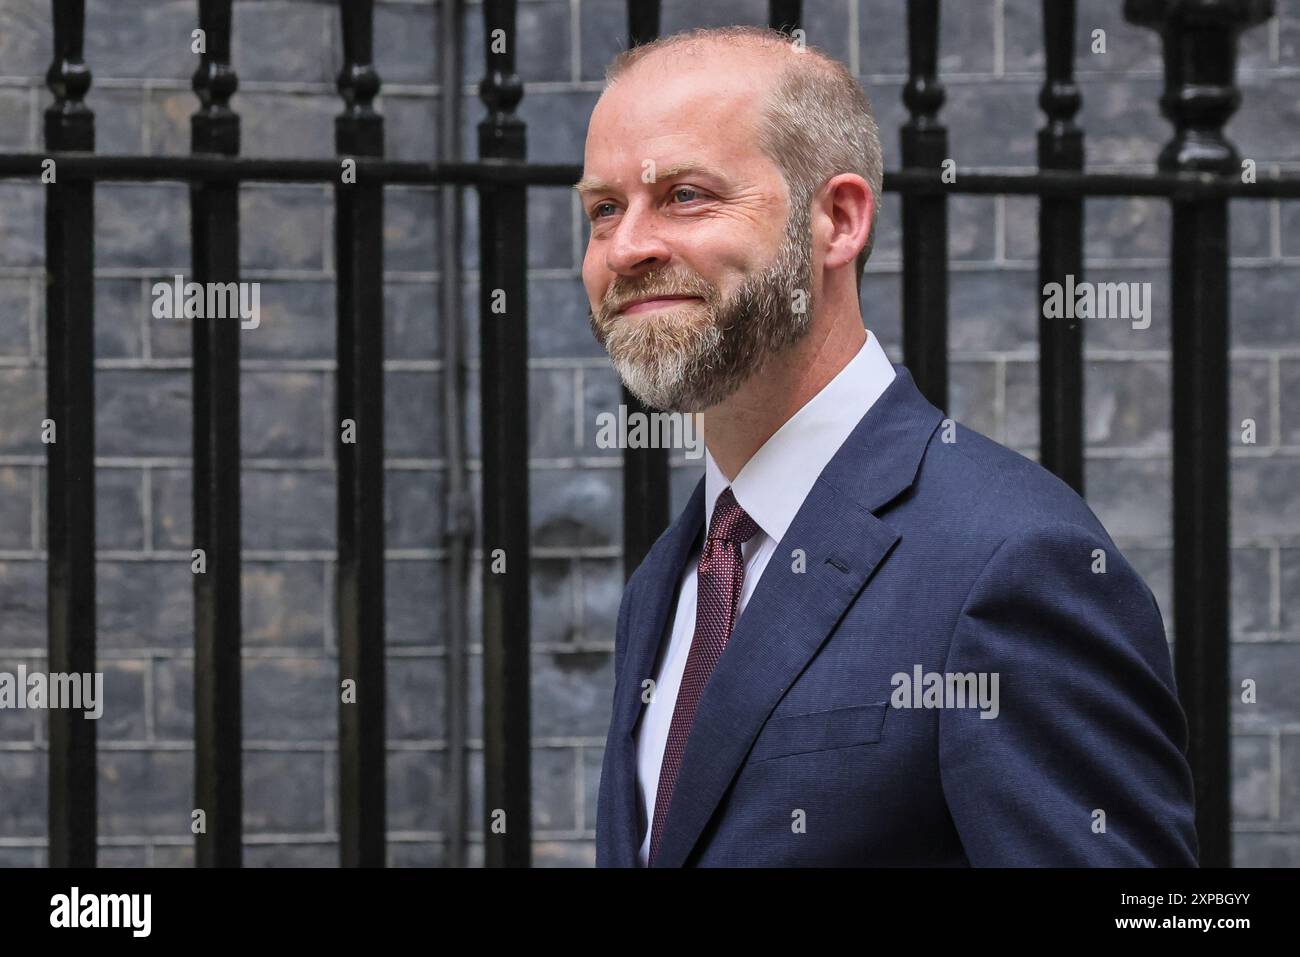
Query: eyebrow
592, 184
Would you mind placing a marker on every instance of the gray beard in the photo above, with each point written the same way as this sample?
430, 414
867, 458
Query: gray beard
679, 360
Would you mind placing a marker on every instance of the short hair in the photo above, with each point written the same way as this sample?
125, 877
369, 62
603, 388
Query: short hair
816, 122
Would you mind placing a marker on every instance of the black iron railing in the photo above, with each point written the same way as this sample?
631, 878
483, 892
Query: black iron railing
1198, 172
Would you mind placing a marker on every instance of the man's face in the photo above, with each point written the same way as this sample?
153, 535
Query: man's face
727, 270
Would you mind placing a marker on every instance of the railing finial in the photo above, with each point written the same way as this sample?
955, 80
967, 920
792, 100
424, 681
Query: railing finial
1201, 94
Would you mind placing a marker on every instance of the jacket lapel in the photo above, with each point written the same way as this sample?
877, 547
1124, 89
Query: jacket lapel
788, 617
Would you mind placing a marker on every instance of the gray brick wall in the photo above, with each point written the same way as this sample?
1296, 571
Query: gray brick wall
286, 56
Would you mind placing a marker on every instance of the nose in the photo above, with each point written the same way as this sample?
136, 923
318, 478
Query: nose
636, 244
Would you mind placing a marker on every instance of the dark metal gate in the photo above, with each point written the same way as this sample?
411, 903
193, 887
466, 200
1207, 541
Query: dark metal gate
1198, 172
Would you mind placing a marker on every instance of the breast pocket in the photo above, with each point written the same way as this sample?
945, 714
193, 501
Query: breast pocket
819, 731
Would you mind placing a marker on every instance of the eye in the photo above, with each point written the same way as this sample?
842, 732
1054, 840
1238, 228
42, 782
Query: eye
685, 189
595, 210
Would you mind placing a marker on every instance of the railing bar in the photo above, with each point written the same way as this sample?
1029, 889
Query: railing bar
70, 405
924, 143
1060, 256
1200, 50
458, 537
503, 345
359, 394
214, 229
785, 15
1167, 184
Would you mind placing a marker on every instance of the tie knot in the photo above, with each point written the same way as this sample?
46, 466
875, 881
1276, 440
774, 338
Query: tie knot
730, 521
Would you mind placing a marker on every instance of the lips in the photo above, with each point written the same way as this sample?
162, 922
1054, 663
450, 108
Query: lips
659, 302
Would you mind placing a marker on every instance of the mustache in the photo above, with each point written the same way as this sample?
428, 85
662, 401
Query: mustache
619, 298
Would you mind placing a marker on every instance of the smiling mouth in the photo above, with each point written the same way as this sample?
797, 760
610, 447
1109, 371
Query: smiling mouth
662, 302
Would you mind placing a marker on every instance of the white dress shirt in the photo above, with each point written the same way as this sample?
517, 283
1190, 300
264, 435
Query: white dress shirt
771, 488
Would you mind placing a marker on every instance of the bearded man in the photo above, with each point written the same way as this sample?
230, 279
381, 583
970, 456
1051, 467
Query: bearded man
873, 637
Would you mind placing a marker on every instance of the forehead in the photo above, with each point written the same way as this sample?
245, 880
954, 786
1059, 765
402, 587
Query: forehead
700, 106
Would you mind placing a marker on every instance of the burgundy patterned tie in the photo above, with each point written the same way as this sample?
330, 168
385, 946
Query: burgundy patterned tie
720, 576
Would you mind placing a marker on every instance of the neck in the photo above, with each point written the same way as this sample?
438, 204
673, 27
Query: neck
782, 385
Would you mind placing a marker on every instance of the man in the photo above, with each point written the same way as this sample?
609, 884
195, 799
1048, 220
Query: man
873, 637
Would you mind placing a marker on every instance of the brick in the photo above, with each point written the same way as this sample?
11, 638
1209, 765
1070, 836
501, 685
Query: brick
283, 604
156, 45
564, 854
412, 218
268, 524
145, 793
21, 725
261, 54
124, 701
144, 604
283, 792
173, 699
1251, 589
282, 414
15, 120
142, 226
15, 309
412, 319
416, 785
1263, 128
22, 397
27, 39
1263, 307
173, 855
415, 697
119, 510
284, 226
1263, 496
602, 593
24, 793
408, 132
22, 596
571, 693
119, 119
414, 515
287, 124
297, 321
143, 413
1290, 590
576, 507
291, 699
1275, 669
972, 391
15, 507
416, 853
414, 604
553, 612
1252, 777
117, 855
1128, 404
553, 788
592, 761
1266, 849
1130, 496
1289, 388
292, 855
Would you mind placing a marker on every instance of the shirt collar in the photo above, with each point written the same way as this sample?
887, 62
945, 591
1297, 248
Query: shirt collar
773, 484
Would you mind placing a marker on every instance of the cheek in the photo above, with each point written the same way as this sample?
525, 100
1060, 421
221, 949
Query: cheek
591, 282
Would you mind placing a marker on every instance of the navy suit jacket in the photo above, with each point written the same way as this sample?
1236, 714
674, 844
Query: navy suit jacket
925, 544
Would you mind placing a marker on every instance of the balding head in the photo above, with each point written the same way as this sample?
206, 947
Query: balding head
810, 116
